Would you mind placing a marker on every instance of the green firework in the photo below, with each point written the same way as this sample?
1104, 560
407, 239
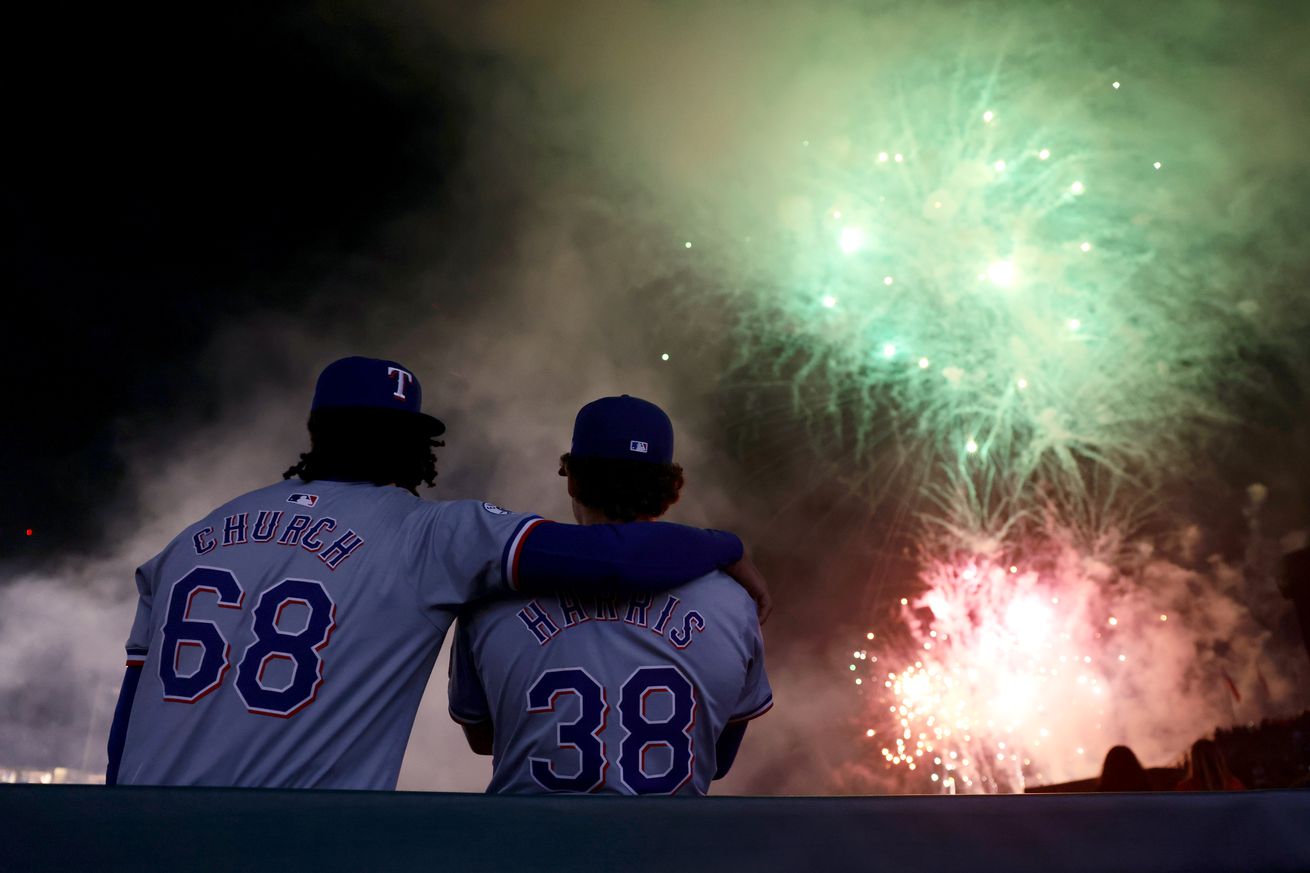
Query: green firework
980, 270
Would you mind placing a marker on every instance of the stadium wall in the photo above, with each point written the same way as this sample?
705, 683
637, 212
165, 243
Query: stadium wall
85, 828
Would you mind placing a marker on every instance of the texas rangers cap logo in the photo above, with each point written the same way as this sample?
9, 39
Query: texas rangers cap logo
638, 446
303, 499
403, 379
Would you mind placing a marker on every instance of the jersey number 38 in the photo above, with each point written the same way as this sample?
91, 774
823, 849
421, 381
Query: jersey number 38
640, 732
271, 642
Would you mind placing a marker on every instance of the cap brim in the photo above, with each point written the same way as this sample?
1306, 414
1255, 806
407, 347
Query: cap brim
431, 426
436, 427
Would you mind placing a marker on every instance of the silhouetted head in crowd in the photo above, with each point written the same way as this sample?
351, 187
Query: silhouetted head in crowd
1207, 769
1122, 772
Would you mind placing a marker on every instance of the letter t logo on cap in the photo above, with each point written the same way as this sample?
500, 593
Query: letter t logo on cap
402, 380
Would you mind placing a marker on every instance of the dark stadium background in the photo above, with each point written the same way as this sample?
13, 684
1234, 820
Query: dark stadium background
173, 168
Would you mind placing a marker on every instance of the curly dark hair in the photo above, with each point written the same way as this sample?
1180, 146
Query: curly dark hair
382, 446
623, 490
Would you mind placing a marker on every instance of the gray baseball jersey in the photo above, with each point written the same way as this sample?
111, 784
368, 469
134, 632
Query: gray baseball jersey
287, 638
619, 695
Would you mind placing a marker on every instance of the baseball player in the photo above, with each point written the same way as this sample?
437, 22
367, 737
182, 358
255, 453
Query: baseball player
620, 693
285, 639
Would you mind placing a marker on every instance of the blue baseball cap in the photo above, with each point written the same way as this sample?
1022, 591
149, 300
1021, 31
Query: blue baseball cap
372, 383
623, 428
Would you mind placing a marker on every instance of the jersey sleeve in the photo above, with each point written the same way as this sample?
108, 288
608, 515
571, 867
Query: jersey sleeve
641, 556
756, 695
138, 640
468, 698
465, 550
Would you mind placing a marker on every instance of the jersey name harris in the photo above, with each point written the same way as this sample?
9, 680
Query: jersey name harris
637, 612
313, 534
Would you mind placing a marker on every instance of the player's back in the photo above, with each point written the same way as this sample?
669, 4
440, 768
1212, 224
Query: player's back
287, 637
615, 695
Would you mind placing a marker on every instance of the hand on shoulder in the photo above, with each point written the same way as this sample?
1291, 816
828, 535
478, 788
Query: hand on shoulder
748, 576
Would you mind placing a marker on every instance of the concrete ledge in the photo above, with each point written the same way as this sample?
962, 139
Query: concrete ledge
86, 828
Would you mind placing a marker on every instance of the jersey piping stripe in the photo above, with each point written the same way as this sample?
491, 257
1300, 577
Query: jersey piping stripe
515, 547
755, 713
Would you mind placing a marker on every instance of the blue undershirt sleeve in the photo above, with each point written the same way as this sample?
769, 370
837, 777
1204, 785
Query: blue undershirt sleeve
118, 729
725, 750
642, 556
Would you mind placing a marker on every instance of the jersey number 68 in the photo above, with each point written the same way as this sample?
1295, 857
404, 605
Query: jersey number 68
271, 643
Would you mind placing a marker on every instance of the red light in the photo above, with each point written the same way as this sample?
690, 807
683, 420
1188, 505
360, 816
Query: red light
29, 531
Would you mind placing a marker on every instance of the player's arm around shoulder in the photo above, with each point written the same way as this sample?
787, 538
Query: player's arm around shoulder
752, 581
480, 549
463, 550
740, 605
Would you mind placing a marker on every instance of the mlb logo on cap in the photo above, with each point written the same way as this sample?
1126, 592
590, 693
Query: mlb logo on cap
623, 428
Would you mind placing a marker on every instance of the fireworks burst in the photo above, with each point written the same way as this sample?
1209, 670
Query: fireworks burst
981, 278
1004, 288
981, 273
999, 675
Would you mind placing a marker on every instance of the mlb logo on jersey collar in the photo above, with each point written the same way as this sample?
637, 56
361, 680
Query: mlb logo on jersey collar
303, 499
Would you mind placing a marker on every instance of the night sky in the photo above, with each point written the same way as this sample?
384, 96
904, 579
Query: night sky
172, 173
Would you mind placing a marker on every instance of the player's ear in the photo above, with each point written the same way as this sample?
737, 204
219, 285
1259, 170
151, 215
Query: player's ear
564, 471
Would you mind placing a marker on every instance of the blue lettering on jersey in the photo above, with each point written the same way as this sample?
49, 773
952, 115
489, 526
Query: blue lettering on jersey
201, 543
266, 523
665, 614
181, 632
574, 612
638, 607
343, 548
273, 643
582, 734
642, 733
607, 607
310, 541
301, 530
234, 529
295, 528
539, 622
681, 637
